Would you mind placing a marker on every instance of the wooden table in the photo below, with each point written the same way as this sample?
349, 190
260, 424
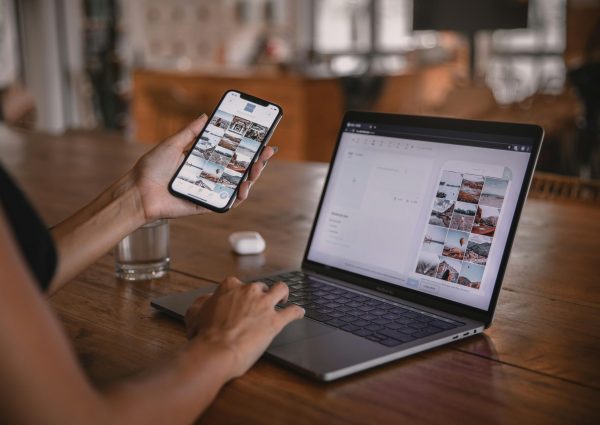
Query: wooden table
538, 363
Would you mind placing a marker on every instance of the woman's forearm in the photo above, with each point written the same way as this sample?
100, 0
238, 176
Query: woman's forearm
82, 238
178, 393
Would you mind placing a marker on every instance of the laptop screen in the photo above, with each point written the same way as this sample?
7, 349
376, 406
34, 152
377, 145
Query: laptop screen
425, 209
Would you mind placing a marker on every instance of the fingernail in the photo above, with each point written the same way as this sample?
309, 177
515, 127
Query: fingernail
275, 148
203, 115
265, 163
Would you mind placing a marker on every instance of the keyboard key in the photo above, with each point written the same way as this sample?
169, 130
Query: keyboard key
362, 332
324, 310
348, 319
381, 321
417, 325
390, 316
441, 324
336, 323
400, 336
395, 326
350, 327
378, 312
365, 308
375, 337
390, 342
426, 332
373, 327
320, 317
361, 323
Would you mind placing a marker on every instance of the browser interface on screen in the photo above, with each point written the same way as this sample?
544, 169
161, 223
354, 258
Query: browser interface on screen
225, 150
428, 210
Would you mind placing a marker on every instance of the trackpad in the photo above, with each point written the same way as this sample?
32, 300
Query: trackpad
299, 330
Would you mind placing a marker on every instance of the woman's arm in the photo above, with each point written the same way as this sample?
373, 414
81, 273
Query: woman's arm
137, 198
42, 382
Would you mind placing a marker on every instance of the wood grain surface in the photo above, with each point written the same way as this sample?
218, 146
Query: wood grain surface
538, 363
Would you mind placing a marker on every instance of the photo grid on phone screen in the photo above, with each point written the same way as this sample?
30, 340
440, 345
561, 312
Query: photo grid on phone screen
223, 153
461, 228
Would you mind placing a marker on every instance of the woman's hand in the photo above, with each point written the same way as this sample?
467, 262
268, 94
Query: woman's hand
241, 320
155, 169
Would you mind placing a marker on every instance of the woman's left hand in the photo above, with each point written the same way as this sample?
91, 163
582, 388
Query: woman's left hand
153, 172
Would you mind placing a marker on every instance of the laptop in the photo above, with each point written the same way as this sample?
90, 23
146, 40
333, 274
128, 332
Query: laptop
409, 244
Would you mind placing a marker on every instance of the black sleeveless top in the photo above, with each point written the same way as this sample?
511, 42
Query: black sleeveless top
33, 239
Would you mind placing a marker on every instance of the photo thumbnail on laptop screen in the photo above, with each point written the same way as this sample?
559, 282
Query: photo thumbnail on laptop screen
431, 214
225, 150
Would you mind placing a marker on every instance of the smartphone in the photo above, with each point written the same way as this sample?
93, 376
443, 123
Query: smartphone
224, 151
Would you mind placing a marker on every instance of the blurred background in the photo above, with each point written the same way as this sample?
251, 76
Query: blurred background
144, 68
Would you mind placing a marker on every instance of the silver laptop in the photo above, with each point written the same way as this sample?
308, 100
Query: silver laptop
409, 244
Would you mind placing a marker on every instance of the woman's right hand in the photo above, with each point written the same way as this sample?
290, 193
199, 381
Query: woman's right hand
240, 318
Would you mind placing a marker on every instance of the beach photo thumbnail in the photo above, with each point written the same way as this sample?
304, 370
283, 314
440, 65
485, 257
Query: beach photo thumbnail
257, 132
205, 184
250, 144
244, 152
455, 244
206, 141
239, 162
240, 125
189, 173
220, 158
427, 264
434, 238
463, 217
470, 189
471, 275
212, 171
478, 249
221, 119
448, 269
450, 183
196, 161
493, 192
486, 220
441, 212
230, 141
230, 178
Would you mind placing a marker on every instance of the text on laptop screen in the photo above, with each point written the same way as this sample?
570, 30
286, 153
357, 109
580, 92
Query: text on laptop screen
426, 211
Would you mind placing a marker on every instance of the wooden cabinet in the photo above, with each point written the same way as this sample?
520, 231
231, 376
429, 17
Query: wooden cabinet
164, 102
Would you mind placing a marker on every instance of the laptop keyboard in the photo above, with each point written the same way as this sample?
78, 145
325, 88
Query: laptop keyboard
374, 319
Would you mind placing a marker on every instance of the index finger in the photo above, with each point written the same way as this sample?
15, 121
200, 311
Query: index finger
259, 165
279, 292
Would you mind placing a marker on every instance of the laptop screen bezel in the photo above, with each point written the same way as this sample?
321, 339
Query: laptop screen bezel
532, 133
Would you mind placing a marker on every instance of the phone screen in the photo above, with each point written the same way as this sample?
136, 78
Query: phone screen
225, 150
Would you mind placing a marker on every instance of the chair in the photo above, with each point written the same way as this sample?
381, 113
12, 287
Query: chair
564, 188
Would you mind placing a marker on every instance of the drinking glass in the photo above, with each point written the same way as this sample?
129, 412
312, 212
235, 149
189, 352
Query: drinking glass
144, 254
